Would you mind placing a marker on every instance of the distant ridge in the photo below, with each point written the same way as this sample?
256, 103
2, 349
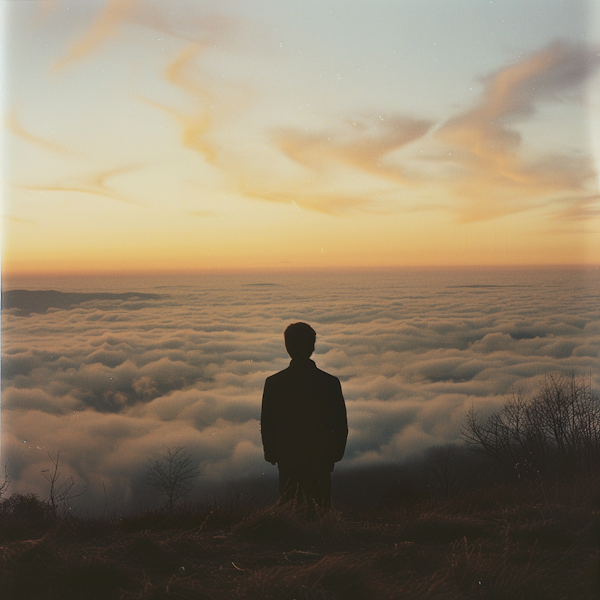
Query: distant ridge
39, 301
485, 285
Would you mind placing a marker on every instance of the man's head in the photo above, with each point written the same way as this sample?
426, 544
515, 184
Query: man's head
300, 340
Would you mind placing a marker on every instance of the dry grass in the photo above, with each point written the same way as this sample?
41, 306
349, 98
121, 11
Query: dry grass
518, 544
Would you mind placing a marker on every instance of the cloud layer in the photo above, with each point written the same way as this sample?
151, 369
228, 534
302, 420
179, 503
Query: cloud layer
109, 381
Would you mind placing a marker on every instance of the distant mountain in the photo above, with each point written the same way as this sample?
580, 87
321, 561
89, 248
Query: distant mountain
39, 301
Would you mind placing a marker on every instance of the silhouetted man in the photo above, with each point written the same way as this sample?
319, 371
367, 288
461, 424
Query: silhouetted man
303, 422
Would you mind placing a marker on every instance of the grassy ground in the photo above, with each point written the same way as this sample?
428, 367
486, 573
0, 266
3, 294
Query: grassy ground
506, 542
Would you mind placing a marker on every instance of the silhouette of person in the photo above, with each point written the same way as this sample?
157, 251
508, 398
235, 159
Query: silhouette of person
303, 422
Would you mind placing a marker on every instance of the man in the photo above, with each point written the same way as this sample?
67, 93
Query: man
303, 422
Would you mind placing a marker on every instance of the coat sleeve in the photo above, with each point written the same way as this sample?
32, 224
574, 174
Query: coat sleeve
268, 423
340, 423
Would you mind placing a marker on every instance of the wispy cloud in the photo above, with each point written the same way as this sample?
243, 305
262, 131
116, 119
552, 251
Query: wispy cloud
495, 176
490, 170
574, 215
194, 24
579, 209
201, 213
327, 203
102, 28
13, 219
90, 184
196, 123
13, 125
485, 168
364, 143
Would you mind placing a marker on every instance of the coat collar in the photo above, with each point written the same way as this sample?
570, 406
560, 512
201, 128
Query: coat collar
302, 363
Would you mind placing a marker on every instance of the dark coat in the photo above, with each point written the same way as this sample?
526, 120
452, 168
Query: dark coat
303, 421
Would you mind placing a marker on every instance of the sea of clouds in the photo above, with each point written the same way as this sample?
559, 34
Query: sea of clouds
110, 381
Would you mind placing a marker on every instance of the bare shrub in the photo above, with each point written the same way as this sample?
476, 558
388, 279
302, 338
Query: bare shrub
62, 491
555, 432
26, 507
23, 516
5, 481
172, 476
447, 468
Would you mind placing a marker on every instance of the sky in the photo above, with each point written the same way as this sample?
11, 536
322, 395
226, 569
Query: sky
109, 382
143, 135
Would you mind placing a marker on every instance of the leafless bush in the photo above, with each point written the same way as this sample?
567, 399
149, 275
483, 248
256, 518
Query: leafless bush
446, 468
555, 431
5, 482
173, 475
61, 491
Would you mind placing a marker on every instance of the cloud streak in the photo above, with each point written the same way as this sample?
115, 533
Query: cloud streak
14, 126
95, 184
365, 143
495, 178
201, 29
324, 203
196, 124
102, 28
489, 171
578, 209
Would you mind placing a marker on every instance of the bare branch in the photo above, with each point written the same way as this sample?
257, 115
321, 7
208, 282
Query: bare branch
556, 429
5, 481
61, 492
173, 475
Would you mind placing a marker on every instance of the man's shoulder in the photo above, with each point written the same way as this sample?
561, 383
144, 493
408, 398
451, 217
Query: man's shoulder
274, 378
326, 376
279, 375
290, 373
277, 379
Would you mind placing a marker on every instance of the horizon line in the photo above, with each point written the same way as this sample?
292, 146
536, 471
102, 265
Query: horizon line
5, 276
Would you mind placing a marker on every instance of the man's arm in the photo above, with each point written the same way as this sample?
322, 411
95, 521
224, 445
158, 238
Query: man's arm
268, 424
340, 423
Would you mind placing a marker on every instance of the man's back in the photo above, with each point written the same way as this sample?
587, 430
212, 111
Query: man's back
303, 421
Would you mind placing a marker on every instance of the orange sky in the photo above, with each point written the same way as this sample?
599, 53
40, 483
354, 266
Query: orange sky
268, 137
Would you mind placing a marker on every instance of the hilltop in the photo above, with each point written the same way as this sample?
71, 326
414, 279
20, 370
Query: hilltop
520, 541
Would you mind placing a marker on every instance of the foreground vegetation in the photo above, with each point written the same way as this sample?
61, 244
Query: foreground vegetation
517, 517
521, 541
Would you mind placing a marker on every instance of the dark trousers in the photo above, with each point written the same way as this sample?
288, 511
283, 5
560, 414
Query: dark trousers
305, 488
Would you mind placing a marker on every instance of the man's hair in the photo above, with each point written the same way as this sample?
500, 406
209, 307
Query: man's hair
300, 340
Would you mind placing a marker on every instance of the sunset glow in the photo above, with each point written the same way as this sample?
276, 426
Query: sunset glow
187, 136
